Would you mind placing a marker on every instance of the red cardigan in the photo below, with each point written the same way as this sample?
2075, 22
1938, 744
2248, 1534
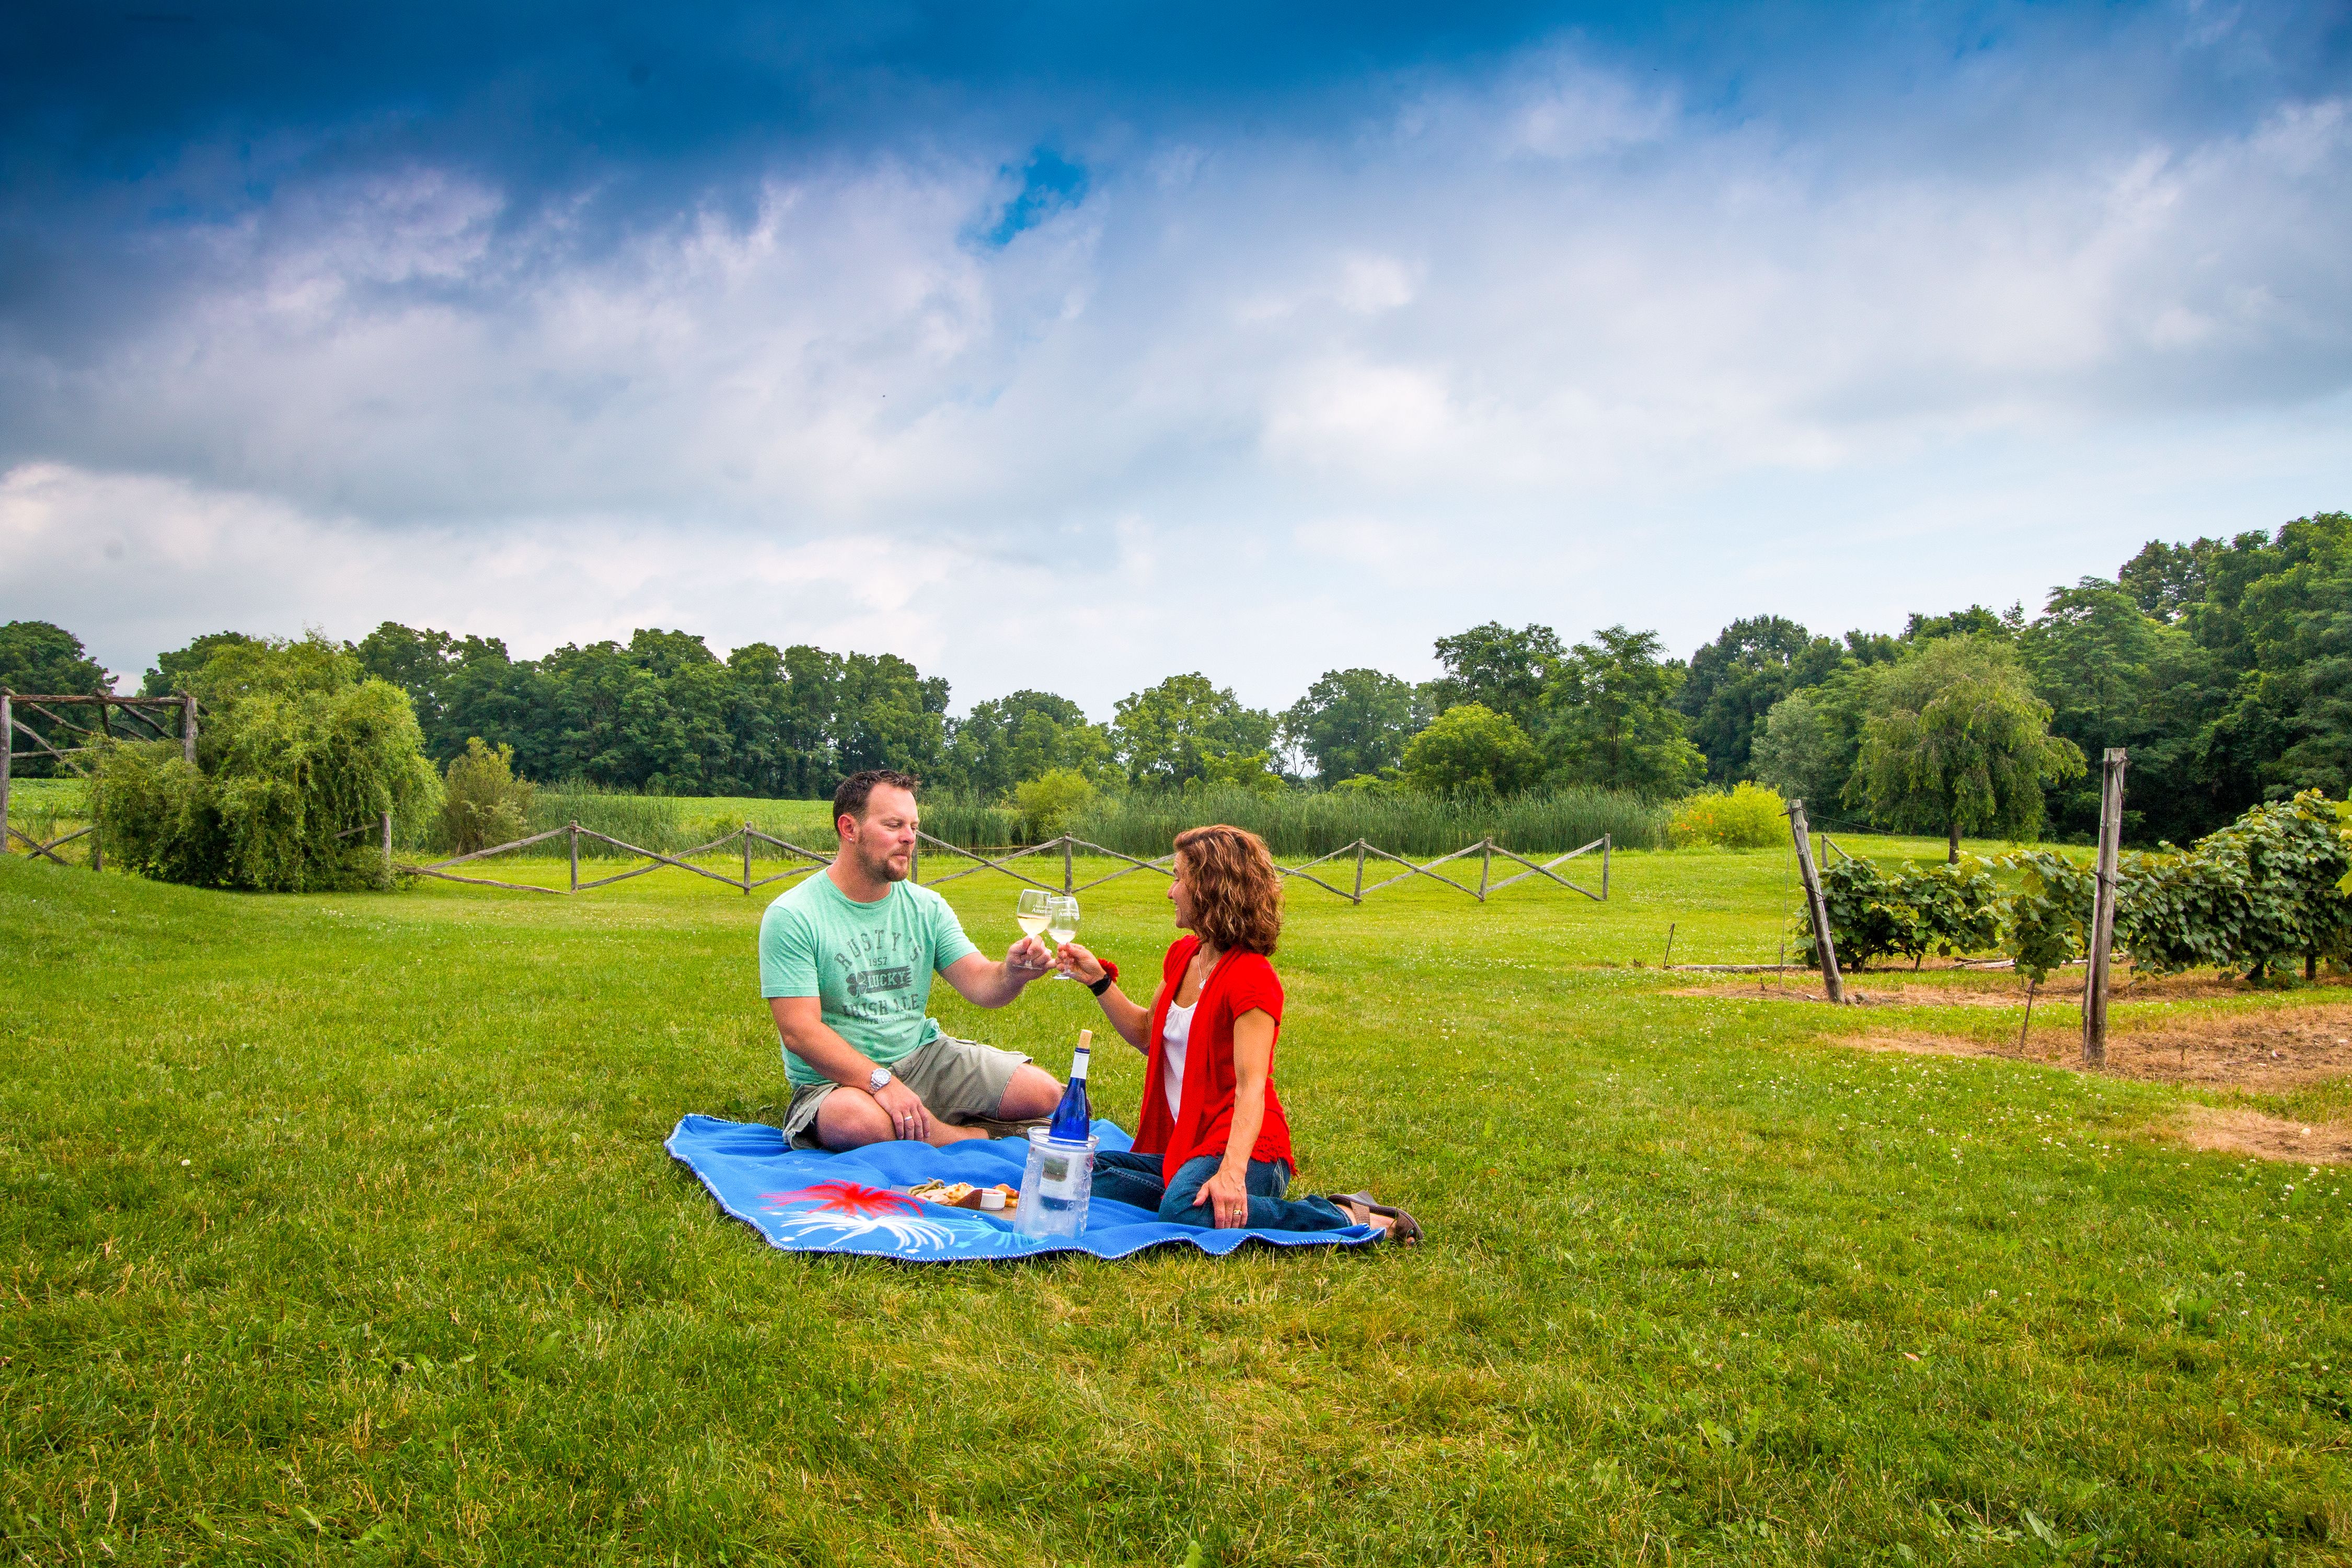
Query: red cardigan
1242, 983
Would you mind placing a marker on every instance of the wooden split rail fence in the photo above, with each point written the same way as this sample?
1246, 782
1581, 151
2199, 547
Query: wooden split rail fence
140, 721
742, 839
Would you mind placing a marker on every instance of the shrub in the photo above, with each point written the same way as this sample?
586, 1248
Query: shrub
2264, 890
1747, 816
1472, 750
1047, 802
1916, 910
283, 770
482, 803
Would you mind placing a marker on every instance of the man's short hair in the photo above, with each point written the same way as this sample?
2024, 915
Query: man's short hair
850, 799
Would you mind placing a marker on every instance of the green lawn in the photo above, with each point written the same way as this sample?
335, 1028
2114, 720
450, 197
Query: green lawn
339, 1228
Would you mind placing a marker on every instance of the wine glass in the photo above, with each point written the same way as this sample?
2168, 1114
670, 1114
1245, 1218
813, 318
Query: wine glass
1031, 911
1061, 922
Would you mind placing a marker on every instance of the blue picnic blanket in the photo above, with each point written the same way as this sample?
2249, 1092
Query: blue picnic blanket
809, 1200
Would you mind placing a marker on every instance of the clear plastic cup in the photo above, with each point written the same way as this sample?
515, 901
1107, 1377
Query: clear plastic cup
1055, 1185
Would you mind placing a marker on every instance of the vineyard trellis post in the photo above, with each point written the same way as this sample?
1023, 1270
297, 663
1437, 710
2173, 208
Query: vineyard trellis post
1824, 943
2103, 909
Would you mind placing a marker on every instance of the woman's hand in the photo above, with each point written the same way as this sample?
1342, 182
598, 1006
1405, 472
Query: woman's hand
1227, 1196
1077, 963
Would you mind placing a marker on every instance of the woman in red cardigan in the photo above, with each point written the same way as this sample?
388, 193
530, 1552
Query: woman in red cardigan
1212, 1147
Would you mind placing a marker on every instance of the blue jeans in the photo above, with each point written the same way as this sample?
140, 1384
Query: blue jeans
1130, 1178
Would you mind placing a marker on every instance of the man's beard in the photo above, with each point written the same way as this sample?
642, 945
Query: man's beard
879, 867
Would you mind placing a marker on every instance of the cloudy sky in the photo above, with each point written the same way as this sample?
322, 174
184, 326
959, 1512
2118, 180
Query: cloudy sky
1075, 345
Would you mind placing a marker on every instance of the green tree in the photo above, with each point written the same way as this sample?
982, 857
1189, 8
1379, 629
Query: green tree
1353, 722
1470, 748
1806, 747
175, 669
1009, 739
1956, 740
296, 750
2297, 618
1166, 733
1611, 722
1496, 667
888, 715
1974, 621
1048, 801
38, 658
1735, 680
2114, 676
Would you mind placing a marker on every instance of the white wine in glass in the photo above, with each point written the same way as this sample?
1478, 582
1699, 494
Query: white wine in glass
1032, 911
1061, 920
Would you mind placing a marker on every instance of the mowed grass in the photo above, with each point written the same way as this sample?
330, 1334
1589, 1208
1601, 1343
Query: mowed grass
338, 1228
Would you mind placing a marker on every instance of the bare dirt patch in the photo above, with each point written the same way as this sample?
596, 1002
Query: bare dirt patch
2278, 1049
2264, 1137
2267, 1051
1993, 988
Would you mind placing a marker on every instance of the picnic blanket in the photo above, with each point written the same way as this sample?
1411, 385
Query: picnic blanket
811, 1200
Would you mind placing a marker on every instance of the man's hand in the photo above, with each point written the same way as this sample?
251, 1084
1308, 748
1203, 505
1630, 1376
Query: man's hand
1028, 960
1077, 963
908, 1115
1227, 1196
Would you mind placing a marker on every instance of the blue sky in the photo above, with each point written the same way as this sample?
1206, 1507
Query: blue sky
1075, 346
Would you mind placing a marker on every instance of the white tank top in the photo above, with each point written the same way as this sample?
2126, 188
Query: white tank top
1174, 1036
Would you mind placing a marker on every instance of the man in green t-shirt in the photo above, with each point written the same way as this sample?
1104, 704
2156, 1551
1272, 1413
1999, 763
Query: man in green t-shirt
845, 963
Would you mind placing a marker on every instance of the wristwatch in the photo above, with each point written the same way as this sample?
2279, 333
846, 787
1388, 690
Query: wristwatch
877, 1079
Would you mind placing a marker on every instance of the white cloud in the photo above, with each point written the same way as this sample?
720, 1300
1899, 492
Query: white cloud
1552, 325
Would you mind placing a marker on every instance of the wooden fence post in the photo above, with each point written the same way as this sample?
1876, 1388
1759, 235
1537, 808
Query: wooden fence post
2102, 909
1604, 868
1069, 880
1486, 864
1359, 861
575, 856
747, 855
1823, 942
7, 755
188, 729
387, 847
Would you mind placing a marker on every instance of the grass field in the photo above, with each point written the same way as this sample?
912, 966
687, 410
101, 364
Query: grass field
338, 1228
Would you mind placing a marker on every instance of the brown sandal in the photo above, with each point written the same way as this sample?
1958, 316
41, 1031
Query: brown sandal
1403, 1228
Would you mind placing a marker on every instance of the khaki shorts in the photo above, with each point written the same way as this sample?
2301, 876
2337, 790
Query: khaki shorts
960, 1082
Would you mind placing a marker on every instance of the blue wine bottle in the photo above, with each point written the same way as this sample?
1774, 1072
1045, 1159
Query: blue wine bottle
1073, 1119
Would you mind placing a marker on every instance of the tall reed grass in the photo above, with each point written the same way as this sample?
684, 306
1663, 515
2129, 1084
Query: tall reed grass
1296, 824
1300, 824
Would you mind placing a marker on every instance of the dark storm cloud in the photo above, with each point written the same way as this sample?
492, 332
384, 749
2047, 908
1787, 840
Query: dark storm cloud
546, 322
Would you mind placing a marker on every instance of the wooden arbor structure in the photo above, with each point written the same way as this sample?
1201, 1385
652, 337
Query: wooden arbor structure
143, 721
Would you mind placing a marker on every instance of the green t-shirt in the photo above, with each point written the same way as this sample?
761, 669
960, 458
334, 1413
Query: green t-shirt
870, 965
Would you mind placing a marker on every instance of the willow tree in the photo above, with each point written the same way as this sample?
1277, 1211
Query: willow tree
1954, 740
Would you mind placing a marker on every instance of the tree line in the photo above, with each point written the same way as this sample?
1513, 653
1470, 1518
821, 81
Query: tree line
2225, 666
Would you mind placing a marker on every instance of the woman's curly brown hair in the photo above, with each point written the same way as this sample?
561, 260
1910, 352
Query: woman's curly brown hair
1236, 897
